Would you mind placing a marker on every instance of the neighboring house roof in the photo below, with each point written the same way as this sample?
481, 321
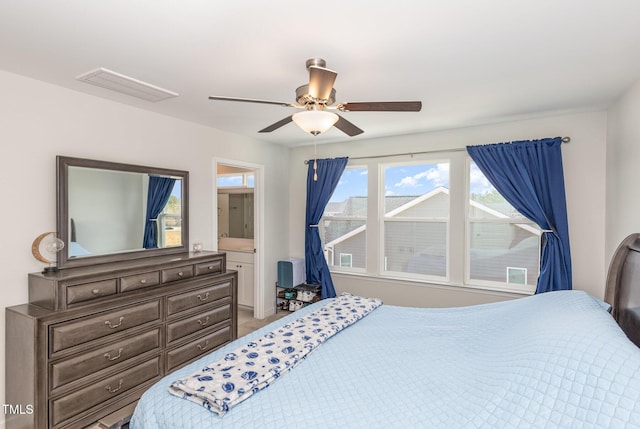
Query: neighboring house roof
334, 208
415, 201
353, 206
357, 205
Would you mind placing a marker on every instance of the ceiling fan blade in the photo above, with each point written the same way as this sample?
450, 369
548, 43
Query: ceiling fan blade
347, 127
382, 106
321, 82
277, 125
252, 100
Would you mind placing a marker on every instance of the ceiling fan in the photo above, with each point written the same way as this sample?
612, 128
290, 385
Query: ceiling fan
316, 100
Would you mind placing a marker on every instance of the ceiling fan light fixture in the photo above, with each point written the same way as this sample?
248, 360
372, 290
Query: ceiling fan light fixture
315, 122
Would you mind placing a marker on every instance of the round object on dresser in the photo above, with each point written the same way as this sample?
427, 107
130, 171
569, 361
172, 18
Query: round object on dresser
51, 244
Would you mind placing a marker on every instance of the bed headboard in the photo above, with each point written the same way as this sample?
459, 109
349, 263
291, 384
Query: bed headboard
623, 286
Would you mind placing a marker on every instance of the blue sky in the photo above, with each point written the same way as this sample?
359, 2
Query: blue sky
177, 189
406, 180
235, 180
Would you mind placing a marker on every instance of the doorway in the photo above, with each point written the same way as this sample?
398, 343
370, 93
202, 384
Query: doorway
239, 227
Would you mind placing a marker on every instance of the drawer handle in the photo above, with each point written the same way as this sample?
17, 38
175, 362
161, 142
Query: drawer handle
203, 298
112, 326
180, 274
210, 267
108, 355
95, 291
205, 347
143, 281
206, 321
112, 390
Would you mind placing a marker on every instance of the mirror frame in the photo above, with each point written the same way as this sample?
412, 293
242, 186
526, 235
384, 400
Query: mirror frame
62, 211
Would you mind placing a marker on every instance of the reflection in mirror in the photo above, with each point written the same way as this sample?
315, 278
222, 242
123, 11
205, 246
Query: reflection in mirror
235, 213
235, 202
109, 211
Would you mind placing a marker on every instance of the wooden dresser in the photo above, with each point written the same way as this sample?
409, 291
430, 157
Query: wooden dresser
92, 339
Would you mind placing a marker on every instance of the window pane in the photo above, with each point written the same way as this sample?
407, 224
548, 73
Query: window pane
504, 252
245, 180
414, 192
230, 180
170, 219
486, 201
416, 247
350, 196
343, 226
499, 250
345, 237
345, 259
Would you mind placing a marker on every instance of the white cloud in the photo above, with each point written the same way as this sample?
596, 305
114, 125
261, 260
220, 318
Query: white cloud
408, 182
436, 176
479, 183
439, 176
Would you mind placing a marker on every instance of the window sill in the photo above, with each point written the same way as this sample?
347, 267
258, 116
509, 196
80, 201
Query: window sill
497, 289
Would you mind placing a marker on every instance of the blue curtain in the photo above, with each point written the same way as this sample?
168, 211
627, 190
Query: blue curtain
529, 175
321, 183
159, 192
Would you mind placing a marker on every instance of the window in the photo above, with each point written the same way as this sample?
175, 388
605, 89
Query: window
504, 246
416, 218
346, 259
344, 223
431, 219
170, 219
237, 180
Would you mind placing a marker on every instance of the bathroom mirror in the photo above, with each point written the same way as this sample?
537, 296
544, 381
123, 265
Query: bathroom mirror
235, 213
109, 212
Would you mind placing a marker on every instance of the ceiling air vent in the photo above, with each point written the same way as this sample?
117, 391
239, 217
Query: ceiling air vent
126, 85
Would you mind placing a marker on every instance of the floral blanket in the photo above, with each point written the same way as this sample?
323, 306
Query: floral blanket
253, 367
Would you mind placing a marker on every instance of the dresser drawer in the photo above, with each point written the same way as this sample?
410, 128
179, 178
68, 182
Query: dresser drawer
93, 290
213, 267
201, 346
89, 328
104, 357
139, 281
83, 399
196, 298
178, 273
199, 322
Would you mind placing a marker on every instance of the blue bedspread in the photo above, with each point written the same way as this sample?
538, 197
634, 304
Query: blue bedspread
555, 360
258, 364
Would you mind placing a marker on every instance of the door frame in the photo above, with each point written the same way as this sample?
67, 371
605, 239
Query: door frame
259, 305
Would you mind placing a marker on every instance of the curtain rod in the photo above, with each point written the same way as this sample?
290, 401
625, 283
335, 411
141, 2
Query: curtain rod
564, 140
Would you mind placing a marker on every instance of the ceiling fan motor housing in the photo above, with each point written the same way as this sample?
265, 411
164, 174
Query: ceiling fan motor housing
305, 99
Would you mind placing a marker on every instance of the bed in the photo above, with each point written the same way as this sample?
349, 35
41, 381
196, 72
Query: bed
554, 360
75, 248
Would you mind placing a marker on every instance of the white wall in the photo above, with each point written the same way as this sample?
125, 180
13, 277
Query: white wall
623, 167
584, 168
39, 121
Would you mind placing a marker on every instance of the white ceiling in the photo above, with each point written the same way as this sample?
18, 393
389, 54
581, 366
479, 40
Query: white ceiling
469, 61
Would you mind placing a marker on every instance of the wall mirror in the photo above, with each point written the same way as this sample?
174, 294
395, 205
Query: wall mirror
235, 213
109, 212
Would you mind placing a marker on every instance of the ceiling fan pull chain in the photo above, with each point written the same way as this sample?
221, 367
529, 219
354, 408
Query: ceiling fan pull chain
315, 163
